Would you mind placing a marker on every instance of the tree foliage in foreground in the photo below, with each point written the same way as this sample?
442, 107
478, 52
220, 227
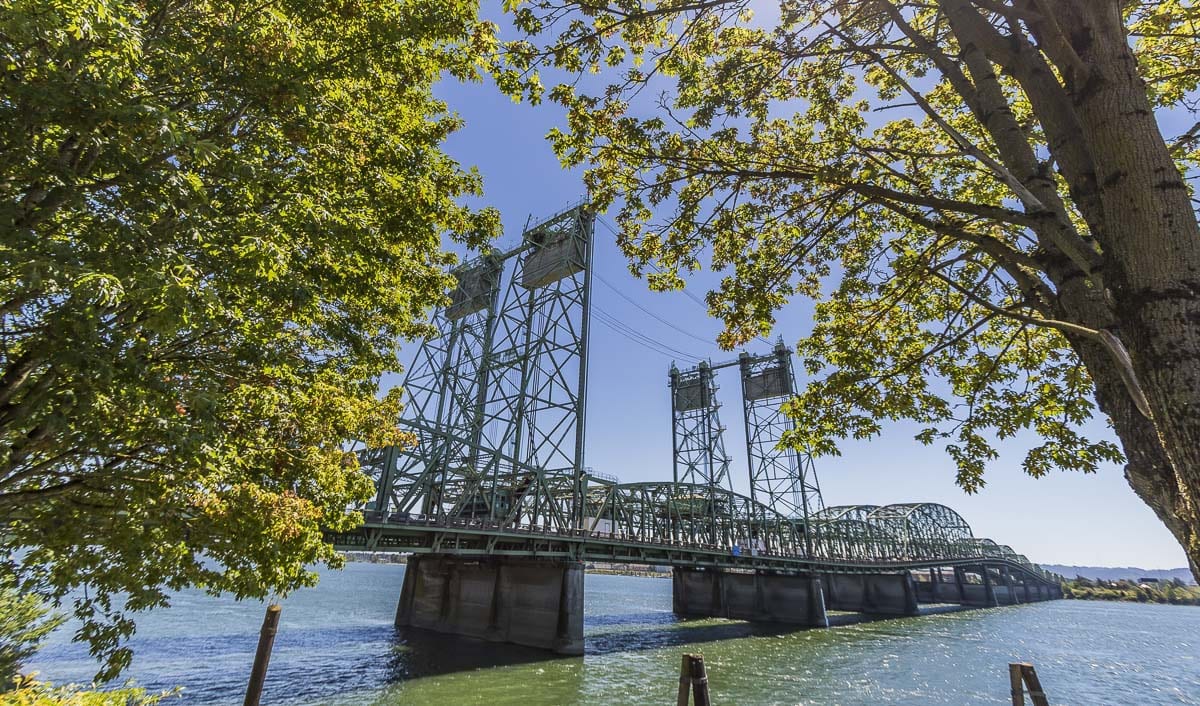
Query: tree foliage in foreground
25, 620
977, 194
216, 220
30, 692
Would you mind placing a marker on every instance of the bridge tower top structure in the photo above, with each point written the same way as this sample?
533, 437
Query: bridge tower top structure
497, 397
780, 477
697, 436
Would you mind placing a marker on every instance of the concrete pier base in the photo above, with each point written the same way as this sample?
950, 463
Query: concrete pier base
774, 598
532, 602
941, 586
979, 595
877, 594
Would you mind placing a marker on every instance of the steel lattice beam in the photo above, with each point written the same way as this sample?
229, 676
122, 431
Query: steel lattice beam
780, 478
497, 399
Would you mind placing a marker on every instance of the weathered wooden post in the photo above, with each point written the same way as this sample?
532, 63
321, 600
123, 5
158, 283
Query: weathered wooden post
685, 682
693, 675
699, 680
1035, 685
1015, 685
266, 640
1022, 675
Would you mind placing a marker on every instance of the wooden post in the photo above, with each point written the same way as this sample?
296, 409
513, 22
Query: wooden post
685, 682
1035, 685
266, 640
692, 674
1014, 681
1019, 672
699, 680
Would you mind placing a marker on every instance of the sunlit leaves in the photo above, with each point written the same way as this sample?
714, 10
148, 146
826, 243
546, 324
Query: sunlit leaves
216, 222
826, 149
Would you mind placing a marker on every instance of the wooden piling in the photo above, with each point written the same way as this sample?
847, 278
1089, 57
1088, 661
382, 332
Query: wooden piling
692, 674
699, 680
685, 681
266, 640
1021, 677
1014, 681
1035, 685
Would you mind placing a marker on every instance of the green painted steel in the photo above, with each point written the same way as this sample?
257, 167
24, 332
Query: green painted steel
497, 398
497, 402
780, 477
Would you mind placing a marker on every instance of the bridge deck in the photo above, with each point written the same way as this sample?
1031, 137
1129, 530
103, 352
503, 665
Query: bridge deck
480, 538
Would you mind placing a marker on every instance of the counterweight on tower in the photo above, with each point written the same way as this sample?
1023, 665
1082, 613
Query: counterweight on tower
497, 397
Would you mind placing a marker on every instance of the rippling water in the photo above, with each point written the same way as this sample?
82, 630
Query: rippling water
336, 645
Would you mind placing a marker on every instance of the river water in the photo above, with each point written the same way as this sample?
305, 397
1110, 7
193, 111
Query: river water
336, 645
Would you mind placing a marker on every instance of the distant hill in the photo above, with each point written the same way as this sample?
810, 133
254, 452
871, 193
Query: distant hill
1129, 573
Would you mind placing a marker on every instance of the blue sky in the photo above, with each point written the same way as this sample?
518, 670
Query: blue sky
1062, 519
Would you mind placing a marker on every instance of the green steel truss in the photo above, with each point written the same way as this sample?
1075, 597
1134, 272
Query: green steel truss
497, 401
537, 385
696, 433
780, 478
444, 387
701, 465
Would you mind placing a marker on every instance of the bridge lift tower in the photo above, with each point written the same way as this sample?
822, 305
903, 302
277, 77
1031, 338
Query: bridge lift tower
696, 433
497, 397
780, 478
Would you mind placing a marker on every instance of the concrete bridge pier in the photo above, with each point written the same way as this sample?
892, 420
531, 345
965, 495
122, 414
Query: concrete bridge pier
753, 596
876, 594
531, 602
981, 594
942, 586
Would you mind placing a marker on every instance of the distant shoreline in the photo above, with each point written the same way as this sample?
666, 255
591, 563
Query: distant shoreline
1173, 592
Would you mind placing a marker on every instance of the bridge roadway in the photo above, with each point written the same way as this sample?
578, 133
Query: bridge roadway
517, 583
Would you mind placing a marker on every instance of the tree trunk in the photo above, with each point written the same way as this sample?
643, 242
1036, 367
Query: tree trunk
1148, 469
1152, 265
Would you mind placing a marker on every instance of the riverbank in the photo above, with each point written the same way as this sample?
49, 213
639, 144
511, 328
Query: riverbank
1173, 592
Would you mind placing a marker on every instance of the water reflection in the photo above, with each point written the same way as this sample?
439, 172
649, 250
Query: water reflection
417, 653
337, 645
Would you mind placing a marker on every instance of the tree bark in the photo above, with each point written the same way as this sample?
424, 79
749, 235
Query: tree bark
1148, 469
1151, 246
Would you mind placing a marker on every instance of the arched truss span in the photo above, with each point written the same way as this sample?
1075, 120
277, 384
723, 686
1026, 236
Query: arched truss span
903, 532
684, 513
709, 516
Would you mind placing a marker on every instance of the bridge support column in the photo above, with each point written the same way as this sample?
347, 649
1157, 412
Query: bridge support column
940, 588
926, 587
757, 597
948, 591
532, 602
1002, 587
980, 595
877, 594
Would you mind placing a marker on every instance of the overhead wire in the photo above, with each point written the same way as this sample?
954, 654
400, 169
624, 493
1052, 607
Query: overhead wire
612, 229
642, 339
658, 318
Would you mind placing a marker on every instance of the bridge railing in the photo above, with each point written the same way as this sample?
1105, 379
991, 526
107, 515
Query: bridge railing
670, 516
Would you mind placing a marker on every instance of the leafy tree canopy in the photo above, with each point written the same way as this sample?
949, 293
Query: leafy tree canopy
977, 194
25, 620
216, 220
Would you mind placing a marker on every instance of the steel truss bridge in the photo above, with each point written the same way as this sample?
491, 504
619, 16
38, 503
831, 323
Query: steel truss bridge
498, 402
